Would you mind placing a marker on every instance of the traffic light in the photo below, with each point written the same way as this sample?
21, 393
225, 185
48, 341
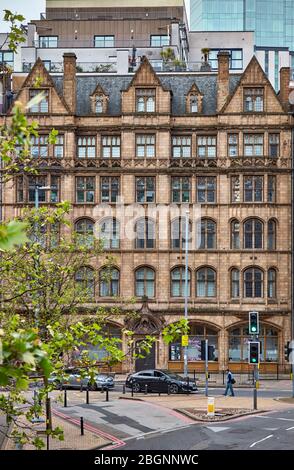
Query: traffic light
288, 351
254, 352
210, 351
253, 323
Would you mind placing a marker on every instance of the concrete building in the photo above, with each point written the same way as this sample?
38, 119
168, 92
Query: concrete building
217, 142
272, 23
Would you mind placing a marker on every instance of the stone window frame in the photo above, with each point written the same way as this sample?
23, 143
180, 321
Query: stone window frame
85, 190
112, 142
37, 109
206, 190
110, 280
149, 228
145, 178
145, 269
253, 189
145, 144
181, 282
231, 144
90, 143
252, 91
251, 233
178, 228
45, 197
177, 141
110, 189
180, 191
206, 270
253, 281
99, 93
145, 93
272, 145
206, 142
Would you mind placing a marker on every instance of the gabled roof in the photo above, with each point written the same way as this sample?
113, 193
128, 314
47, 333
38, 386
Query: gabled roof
264, 81
47, 81
99, 91
194, 89
143, 74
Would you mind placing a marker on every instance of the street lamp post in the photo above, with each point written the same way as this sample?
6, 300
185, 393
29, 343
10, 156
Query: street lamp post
37, 188
186, 286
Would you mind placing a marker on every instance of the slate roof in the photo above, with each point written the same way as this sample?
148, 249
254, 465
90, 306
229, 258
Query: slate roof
178, 84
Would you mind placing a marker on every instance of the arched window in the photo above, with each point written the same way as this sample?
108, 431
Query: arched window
238, 344
109, 282
235, 283
145, 234
85, 282
178, 233
178, 282
206, 282
253, 234
271, 234
235, 235
253, 282
84, 229
207, 235
272, 284
109, 233
145, 282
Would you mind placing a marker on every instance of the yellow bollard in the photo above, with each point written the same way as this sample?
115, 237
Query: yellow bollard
210, 406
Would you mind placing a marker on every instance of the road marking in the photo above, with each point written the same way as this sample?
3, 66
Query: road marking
261, 440
216, 429
157, 431
289, 429
272, 417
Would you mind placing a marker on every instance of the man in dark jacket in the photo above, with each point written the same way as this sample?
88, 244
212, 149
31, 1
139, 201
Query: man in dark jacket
230, 382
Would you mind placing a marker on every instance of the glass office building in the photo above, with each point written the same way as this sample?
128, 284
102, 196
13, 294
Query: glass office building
271, 20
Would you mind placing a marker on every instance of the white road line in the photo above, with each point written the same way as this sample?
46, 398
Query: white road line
289, 429
261, 440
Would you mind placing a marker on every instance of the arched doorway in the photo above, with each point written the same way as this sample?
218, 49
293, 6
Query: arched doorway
146, 362
197, 333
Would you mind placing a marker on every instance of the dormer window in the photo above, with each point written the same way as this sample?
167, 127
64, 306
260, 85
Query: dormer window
253, 100
99, 104
145, 100
194, 100
41, 106
99, 101
193, 104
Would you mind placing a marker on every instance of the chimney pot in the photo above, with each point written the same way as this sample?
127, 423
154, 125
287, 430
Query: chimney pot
223, 78
69, 80
285, 86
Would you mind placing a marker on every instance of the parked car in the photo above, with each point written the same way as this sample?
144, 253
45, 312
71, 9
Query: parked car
72, 378
159, 381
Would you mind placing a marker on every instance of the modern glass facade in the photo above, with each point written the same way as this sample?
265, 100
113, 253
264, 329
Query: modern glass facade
272, 20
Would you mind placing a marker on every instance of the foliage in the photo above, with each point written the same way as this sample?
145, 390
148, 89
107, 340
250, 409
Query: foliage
174, 331
16, 34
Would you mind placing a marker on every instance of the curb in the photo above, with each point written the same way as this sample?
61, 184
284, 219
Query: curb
228, 418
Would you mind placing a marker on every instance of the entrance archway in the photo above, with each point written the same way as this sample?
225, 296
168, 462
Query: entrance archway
147, 362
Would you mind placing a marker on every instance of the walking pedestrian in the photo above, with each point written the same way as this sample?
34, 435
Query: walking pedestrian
230, 382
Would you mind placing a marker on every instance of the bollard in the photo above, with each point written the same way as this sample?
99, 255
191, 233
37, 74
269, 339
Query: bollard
168, 390
87, 396
132, 389
210, 406
124, 389
188, 385
65, 398
194, 375
107, 394
146, 389
82, 425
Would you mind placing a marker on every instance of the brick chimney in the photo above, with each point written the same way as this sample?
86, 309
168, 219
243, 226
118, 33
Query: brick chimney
223, 78
69, 80
285, 86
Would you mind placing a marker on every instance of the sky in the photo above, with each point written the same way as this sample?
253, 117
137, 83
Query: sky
30, 9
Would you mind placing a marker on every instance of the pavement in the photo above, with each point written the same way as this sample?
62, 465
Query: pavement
126, 422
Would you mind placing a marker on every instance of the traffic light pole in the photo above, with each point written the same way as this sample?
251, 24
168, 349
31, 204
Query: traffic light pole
255, 387
206, 367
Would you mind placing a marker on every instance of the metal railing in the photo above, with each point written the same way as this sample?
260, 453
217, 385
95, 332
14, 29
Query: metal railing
82, 67
98, 43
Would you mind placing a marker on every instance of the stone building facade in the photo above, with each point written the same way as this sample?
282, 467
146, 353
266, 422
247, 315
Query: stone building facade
218, 144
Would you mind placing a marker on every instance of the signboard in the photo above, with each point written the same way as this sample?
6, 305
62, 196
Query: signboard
185, 340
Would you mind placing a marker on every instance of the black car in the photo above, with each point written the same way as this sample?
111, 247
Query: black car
159, 381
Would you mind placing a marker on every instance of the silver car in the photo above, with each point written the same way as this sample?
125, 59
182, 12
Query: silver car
72, 379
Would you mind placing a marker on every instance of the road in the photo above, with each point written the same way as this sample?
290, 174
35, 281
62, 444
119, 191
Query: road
271, 431
144, 425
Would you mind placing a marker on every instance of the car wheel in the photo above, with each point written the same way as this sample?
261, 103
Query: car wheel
136, 387
173, 388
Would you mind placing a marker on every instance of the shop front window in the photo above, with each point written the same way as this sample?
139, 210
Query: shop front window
238, 344
197, 334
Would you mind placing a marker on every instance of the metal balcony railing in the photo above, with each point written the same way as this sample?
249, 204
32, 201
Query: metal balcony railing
82, 67
98, 43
